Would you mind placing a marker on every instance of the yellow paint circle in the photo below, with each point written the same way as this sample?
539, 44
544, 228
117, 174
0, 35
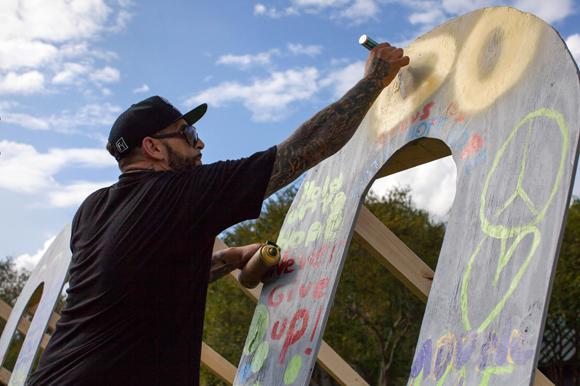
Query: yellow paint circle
495, 55
431, 59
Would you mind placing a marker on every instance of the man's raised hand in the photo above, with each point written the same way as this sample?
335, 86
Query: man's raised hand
384, 63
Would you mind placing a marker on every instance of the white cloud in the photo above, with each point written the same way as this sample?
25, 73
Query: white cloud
460, 7
29, 262
261, 10
54, 21
71, 73
123, 17
265, 58
549, 11
90, 115
26, 83
105, 75
26, 121
434, 17
273, 98
357, 11
573, 43
320, 3
246, 61
20, 53
268, 99
298, 49
52, 40
360, 11
428, 13
432, 185
74, 194
24, 169
344, 79
141, 89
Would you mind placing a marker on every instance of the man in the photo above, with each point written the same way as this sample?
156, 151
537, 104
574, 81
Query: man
141, 248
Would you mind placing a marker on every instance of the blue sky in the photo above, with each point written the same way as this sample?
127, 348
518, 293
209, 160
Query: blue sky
68, 68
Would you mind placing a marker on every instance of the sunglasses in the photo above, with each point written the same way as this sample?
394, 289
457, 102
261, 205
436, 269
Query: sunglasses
190, 134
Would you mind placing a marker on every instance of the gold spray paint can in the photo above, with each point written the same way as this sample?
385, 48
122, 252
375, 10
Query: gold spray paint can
259, 265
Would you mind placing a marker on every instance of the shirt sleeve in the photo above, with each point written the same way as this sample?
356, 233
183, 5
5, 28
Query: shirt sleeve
229, 192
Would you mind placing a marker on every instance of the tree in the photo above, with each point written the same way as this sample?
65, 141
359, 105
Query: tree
560, 354
375, 320
12, 281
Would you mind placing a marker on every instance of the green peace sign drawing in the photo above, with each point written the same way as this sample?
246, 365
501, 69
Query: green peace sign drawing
503, 232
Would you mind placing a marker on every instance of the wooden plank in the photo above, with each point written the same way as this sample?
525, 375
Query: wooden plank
416, 154
338, 368
218, 364
393, 254
23, 325
542, 380
52, 321
4, 376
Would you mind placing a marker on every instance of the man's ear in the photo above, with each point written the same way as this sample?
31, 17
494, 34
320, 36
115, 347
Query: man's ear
153, 148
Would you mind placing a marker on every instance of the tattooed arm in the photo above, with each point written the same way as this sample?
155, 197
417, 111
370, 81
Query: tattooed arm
330, 129
225, 261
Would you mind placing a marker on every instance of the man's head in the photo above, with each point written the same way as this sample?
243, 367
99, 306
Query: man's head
154, 131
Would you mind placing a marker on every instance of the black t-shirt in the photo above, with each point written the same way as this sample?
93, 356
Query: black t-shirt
139, 274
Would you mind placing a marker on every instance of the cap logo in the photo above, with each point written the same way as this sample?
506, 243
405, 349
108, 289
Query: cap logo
170, 104
121, 145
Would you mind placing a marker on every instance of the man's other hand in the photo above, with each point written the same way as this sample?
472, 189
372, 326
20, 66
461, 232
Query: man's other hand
246, 252
384, 63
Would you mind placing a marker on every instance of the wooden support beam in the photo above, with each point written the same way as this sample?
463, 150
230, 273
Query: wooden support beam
394, 254
23, 325
4, 376
338, 368
542, 380
53, 318
218, 364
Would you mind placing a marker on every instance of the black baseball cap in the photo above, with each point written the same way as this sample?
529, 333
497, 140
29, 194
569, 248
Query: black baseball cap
145, 119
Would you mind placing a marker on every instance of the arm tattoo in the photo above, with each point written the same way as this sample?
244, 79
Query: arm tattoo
219, 266
327, 131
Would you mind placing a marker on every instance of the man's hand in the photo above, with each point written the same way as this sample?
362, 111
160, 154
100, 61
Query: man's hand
246, 253
384, 63
225, 261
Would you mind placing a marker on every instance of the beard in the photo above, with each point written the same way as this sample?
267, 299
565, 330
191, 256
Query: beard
178, 162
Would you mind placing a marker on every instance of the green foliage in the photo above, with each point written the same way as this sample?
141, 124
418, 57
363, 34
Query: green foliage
563, 322
12, 281
375, 320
